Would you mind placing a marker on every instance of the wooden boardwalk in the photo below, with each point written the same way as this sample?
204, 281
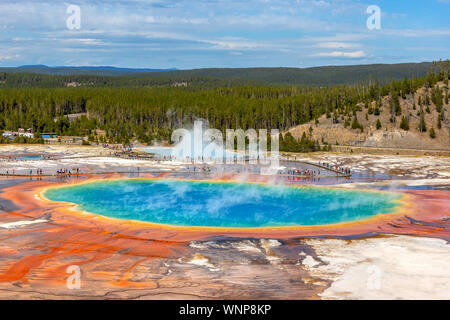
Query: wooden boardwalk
83, 174
150, 158
343, 174
66, 175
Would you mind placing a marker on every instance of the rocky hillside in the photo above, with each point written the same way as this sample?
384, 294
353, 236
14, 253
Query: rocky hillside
392, 123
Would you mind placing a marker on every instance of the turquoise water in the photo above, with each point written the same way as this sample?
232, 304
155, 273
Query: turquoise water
30, 157
218, 204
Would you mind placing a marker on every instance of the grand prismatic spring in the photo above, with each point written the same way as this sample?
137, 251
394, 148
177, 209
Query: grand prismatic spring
223, 204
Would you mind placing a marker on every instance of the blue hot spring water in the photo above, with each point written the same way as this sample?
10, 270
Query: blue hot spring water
223, 204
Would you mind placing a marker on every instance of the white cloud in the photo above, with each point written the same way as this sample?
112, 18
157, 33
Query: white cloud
84, 41
337, 45
342, 54
416, 33
232, 44
13, 57
21, 39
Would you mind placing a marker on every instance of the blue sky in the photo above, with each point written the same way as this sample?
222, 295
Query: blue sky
222, 33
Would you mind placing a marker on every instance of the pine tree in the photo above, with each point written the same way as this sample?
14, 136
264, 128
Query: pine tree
404, 124
432, 133
346, 123
378, 124
422, 124
377, 111
356, 125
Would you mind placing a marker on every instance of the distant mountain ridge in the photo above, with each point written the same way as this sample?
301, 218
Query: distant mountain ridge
317, 76
80, 70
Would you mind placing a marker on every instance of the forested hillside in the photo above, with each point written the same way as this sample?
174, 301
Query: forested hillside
149, 114
317, 76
